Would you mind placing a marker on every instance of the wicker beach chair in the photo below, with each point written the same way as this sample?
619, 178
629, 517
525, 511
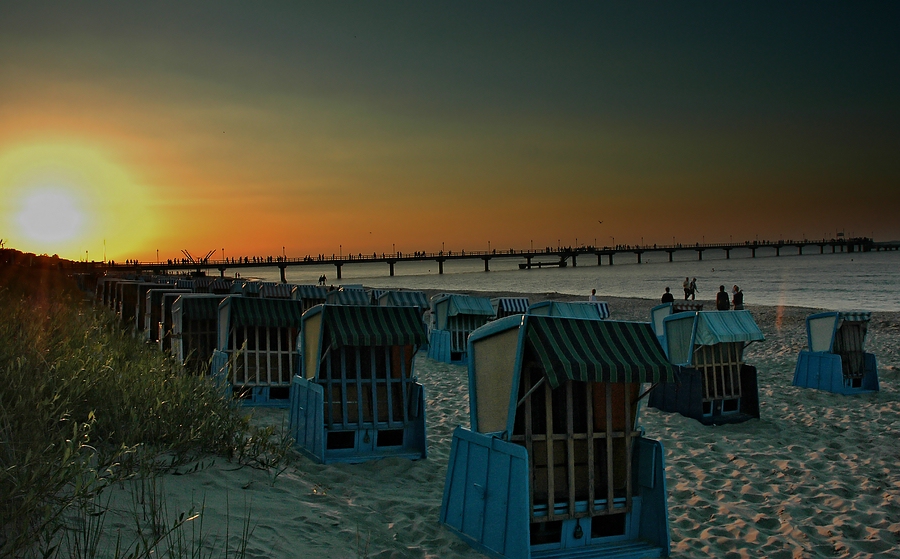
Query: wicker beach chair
836, 360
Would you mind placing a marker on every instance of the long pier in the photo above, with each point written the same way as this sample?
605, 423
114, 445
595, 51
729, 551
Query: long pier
548, 257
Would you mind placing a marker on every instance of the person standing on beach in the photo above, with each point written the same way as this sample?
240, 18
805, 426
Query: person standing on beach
722, 302
737, 298
687, 288
667, 297
694, 289
593, 296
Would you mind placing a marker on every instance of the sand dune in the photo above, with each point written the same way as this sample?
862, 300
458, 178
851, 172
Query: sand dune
817, 476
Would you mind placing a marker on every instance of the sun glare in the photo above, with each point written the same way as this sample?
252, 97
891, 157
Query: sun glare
50, 216
71, 200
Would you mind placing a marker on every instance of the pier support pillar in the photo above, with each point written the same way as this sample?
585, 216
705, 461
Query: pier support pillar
391, 265
699, 255
574, 261
599, 259
639, 254
671, 254
727, 254
778, 251
282, 268
610, 259
338, 266
821, 249
221, 271
753, 252
486, 268
799, 250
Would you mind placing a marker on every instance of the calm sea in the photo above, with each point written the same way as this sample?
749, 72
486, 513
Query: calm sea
841, 281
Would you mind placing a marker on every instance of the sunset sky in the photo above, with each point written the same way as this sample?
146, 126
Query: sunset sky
129, 128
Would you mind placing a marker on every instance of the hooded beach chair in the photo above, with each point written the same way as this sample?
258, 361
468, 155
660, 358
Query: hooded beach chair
258, 337
153, 310
453, 318
357, 397
836, 360
714, 384
195, 319
555, 463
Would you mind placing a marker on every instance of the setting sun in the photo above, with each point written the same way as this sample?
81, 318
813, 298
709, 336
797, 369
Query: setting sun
72, 200
50, 216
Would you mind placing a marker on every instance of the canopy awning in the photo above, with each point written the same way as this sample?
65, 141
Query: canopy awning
594, 310
199, 308
276, 290
310, 292
464, 304
404, 299
275, 313
348, 297
714, 327
511, 305
373, 326
856, 316
596, 350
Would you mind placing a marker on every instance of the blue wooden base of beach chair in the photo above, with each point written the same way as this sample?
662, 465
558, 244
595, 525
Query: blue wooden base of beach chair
368, 442
486, 503
685, 396
823, 371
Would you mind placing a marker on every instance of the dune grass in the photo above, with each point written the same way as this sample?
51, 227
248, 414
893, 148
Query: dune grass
84, 404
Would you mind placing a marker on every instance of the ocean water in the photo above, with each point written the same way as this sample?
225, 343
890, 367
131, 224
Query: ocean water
840, 281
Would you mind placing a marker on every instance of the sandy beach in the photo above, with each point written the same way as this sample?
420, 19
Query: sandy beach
817, 476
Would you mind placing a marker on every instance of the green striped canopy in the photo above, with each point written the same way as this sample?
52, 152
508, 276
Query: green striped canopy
253, 311
403, 299
349, 297
373, 326
205, 307
596, 350
311, 292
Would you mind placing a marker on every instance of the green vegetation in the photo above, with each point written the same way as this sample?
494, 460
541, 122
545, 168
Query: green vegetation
83, 404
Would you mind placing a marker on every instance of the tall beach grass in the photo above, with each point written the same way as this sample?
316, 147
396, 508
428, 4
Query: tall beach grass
84, 404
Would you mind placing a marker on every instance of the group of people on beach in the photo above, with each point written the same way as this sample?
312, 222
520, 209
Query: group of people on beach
723, 301
736, 302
